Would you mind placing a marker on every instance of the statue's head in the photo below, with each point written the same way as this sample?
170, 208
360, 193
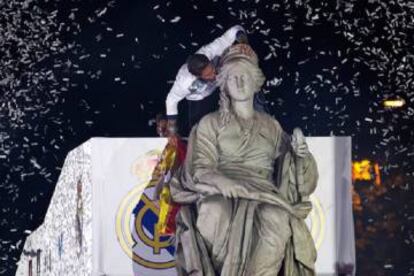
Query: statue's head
239, 78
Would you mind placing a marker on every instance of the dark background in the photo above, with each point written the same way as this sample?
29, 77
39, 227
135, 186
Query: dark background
71, 70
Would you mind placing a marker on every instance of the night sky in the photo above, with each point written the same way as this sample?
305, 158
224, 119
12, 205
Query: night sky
75, 69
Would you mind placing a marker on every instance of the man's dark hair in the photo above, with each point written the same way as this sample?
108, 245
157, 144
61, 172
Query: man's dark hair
196, 63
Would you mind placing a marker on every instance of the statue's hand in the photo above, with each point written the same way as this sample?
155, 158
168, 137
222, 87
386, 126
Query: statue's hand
298, 143
302, 209
232, 190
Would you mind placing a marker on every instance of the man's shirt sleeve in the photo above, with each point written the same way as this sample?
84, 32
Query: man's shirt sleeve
179, 91
217, 47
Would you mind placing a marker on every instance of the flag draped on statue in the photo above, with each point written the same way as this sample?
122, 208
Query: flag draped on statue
171, 159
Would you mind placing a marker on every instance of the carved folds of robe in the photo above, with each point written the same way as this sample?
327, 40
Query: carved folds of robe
261, 233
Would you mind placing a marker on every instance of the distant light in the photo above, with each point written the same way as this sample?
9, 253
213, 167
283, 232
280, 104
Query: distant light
365, 170
377, 175
394, 103
361, 170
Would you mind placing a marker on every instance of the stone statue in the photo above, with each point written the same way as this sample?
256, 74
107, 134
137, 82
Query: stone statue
244, 186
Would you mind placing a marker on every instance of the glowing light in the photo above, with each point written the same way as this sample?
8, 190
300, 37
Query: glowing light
365, 170
361, 170
394, 103
377, 175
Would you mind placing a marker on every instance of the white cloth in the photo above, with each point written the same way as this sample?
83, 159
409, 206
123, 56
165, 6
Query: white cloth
187, 85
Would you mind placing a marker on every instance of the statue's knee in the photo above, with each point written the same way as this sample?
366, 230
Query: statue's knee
214, 213
273, 224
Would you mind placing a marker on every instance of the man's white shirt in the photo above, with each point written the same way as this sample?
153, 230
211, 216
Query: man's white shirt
188, 86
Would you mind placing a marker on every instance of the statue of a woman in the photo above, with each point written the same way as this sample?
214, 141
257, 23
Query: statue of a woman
244, 186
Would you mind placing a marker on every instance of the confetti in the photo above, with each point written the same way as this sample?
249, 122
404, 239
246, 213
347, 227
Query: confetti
330, 65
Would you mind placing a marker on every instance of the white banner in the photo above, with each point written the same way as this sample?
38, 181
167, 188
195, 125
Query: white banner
124, 225
331, 220
124, 215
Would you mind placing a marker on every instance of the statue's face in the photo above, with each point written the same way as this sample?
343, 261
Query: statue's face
240, 84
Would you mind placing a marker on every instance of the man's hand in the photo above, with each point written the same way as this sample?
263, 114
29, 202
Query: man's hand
171, 127
299, 145
172, 132
173, 140
241, 37
162, 128
247, 50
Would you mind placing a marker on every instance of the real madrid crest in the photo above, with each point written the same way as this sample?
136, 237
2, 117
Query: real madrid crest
136, 219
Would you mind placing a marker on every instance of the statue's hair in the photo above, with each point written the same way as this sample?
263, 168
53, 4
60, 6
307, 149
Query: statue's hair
225, 110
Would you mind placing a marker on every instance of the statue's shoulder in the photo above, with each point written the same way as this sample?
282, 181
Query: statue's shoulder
209, 121
270, 121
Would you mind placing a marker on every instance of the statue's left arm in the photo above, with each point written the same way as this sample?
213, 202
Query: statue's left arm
297, 168
306, 166
306, 169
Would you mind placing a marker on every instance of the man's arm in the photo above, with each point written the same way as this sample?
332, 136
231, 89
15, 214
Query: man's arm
174, 97
217, 47
179, 91
176, 94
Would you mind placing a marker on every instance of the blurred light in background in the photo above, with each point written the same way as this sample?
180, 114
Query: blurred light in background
365, 170
394, 103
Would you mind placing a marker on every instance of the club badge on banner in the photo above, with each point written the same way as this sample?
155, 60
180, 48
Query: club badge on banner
137, 218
